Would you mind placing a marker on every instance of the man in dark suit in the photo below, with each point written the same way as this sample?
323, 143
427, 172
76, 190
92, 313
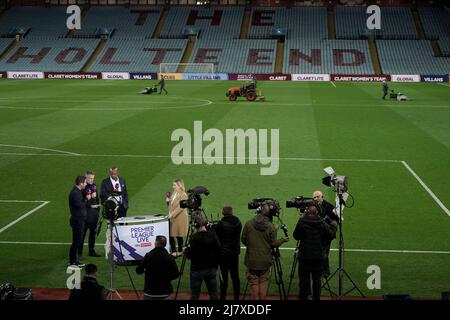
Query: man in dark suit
77, 206
162, 85
115, 184
160, 269
90, 289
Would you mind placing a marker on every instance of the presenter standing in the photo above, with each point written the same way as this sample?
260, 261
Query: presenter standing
178, 217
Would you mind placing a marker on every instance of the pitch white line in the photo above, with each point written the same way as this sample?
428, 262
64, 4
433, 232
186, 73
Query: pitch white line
427, 189
444, 84
38, 148
244, 248
4, 200
23, 216
167, 157
333, 84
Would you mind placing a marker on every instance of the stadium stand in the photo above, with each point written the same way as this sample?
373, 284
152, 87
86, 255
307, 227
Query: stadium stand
127, 23
444, 44
53, 26
210, 22
37, 54
298, 22
236, 56
411, 57
138, 55
327, 56
396, 23
4, 44
435, 21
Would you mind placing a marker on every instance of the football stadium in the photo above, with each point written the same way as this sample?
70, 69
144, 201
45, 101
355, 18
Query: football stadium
304, 146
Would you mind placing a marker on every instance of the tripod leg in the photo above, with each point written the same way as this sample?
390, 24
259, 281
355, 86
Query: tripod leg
245, 291
354, 285
291, 275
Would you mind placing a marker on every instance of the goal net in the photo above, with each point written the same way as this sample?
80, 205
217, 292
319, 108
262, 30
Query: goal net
186, 68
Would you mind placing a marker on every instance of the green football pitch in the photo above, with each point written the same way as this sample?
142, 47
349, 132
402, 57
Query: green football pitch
396, 155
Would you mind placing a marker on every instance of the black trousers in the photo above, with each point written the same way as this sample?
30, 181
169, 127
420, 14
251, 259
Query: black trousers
326, 261
161, 90
229, 264
91, 226
310, 268
173, 247
77, 238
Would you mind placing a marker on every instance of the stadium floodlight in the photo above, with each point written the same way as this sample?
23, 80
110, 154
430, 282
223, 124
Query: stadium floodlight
207, 68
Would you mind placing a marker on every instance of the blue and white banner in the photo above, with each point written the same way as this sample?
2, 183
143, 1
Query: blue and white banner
143, 76
205, 76
434, 78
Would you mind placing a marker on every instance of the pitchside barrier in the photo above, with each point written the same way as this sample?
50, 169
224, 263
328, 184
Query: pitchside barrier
224, 76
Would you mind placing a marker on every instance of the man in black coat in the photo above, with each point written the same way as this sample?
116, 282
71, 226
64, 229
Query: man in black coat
313, 232
228, 231
160, 269
115, 184
90, 289
162, 85
326, 213
92, 208
77, 206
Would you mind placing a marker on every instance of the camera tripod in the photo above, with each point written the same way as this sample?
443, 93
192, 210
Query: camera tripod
196, 213
340, 271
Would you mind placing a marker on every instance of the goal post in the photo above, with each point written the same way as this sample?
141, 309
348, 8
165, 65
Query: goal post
186, 68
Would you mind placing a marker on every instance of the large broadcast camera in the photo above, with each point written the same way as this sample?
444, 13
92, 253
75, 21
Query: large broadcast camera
301, 203
111, 206
194, 201
339, 183
273, 204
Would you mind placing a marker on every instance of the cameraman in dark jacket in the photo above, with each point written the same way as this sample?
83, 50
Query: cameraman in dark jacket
203, 251
313, 232
228, 231
326, 213
160, 269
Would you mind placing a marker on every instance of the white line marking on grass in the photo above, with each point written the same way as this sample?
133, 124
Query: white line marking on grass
38, 148
167, 157
333, 84
24, 216
444, 84
4, 200
244, 248
427, 189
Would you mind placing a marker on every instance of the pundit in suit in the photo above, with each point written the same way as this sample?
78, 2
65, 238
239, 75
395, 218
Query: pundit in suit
178, 217
77, 207
115, 184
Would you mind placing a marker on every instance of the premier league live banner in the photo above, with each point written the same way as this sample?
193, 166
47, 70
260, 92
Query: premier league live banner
433, 78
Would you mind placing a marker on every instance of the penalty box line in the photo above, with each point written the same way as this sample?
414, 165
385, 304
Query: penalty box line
43, 203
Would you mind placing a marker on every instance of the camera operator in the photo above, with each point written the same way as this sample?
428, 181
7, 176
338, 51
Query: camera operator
115, 184
313, 233
160, 269
90, 289
228, 231
77, 206
203, 252
92, 203
259, 236
326, 213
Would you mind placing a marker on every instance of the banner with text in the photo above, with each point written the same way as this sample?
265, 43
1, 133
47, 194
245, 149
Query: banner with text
70, 75
405, 78
143, 76
360, 77
310, 77
434, 78
3, 75
171, 76
25, 75
115, 76
205, 76
259, 76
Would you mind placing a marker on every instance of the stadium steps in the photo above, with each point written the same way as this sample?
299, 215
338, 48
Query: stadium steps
8, 49
279, 59
161, 22
94, 55
436, 49
418, 24
187, 54
331, 23
245, 23
374, 55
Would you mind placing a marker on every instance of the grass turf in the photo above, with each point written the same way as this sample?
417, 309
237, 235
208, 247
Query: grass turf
109, 123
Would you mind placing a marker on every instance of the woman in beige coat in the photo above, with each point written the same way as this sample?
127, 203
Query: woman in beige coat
178, 217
